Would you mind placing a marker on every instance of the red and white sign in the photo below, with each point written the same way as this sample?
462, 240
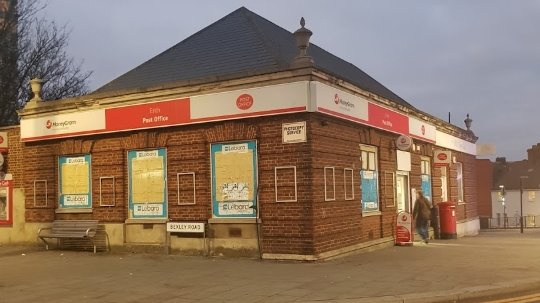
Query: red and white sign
442, 157
336, 102
253, 102
244, 101
404, 234
148, 115
403, 142
421, 130
381, 117
3, 141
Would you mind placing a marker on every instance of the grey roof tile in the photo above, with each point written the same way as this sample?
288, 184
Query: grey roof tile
241, 42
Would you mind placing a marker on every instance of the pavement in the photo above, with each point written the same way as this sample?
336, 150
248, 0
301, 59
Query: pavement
464, 269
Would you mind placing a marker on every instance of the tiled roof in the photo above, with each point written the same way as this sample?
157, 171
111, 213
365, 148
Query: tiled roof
241, 43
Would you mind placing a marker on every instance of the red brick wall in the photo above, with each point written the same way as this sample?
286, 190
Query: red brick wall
287, 227
484, 173
308, 226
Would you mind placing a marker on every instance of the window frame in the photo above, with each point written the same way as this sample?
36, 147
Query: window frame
459, 183
369, 163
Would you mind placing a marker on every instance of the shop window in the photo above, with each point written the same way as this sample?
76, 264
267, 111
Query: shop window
369, 176
531, 196
459, 180
74, 183
285, 184
329, 184
444, 183
107, 191
185, 186
425, 169
348, 181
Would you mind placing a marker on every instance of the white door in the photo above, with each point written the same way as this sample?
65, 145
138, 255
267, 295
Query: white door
402, 192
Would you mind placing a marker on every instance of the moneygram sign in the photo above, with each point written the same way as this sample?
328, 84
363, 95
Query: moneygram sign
346, 104
338, 103
92, 121
59, 125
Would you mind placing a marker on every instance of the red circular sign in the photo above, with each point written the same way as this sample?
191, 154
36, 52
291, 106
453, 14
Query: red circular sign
442, 156
244, 101
336, 98
1, 139
48, 124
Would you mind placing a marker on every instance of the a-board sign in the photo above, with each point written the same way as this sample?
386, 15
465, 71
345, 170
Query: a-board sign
404, 234
185, 227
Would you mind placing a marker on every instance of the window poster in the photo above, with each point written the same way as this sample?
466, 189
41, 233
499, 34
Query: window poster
6, 202
426, 186
234, 179
147, 171
370, 199
74, 182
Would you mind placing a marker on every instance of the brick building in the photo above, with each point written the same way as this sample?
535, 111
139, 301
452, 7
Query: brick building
279, 152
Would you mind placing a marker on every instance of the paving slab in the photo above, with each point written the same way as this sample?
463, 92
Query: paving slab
442, 271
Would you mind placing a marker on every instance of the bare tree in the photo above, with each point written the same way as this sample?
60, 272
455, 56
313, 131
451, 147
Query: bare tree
34, 47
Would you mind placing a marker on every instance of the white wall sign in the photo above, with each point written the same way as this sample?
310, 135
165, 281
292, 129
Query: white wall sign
294, 132
422, 130
185, 227
63, 124
403, 161
457, 144
260, 101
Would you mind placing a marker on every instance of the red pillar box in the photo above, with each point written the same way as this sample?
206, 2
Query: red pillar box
447, 217
404, 229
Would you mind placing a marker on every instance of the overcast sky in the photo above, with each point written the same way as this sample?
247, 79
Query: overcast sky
480, 57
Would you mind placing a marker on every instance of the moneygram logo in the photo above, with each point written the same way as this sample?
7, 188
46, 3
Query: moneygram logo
342, 102
59, 125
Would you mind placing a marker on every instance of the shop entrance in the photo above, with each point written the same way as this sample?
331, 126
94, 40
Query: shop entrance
402, 192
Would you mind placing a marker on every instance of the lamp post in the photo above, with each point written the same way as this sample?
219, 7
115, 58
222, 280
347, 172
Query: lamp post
521, 178
502, 194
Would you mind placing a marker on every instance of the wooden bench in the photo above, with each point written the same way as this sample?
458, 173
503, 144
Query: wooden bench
69, 229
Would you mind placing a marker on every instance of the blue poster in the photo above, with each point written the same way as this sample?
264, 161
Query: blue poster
147, 176
369, 188
234, 179
74, 182
426, 187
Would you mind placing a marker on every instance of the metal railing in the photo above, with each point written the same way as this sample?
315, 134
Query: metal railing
510, 222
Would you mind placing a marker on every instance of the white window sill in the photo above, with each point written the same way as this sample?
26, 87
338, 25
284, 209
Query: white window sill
371, 213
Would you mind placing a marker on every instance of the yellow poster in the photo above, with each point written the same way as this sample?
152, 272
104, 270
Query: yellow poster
75, 178
234, 173
148, 180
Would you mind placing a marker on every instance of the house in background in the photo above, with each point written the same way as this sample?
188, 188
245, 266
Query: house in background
521, 183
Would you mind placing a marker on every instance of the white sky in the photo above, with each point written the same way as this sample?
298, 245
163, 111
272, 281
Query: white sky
480, 57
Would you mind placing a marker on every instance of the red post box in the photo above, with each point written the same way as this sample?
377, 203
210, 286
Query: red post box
447, 216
